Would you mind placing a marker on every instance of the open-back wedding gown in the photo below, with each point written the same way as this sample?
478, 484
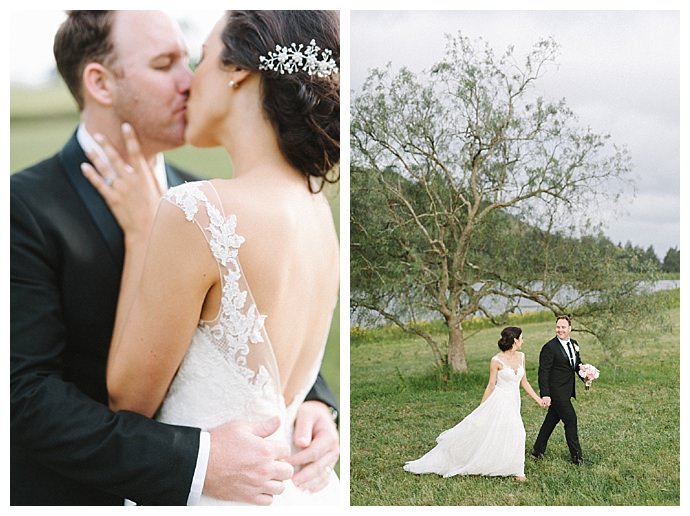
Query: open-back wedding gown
230, 371
490, 441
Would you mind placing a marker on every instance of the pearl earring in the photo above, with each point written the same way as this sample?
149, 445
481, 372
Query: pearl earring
232, 84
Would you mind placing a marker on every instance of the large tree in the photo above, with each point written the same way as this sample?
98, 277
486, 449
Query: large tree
466, 184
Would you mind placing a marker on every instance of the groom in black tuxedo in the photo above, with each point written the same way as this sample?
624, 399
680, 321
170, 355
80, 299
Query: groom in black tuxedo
67, 447
559, 362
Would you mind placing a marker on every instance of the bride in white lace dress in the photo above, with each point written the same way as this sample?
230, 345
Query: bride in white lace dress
231, 370
226, 305
491, 440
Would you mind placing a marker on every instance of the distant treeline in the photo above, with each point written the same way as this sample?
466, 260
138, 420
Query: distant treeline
640, 259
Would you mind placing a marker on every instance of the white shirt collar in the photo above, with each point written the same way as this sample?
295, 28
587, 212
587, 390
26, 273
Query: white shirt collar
88, 143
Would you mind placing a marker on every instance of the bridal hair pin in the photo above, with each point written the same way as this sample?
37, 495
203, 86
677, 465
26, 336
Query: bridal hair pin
295, 59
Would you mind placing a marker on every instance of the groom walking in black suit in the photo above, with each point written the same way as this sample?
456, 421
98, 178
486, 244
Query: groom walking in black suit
559, 361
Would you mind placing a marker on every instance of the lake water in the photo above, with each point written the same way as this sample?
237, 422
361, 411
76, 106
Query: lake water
497, 304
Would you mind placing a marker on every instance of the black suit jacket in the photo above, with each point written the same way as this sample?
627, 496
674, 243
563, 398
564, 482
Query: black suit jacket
556, 375
67, 447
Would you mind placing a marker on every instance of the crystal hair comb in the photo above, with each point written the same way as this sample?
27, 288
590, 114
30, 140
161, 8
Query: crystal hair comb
294, 59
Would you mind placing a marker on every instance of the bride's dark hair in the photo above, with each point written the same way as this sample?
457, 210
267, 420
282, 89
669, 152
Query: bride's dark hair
304, 109
508, 336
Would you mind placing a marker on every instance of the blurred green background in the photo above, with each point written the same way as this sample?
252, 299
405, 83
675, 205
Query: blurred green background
41, 121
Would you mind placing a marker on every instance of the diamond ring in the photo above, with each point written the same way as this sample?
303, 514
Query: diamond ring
109, 180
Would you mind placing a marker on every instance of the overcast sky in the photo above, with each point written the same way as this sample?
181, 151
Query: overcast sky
32, 33
618, 70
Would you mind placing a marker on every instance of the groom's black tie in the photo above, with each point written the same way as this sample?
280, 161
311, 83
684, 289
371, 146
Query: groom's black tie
571, 356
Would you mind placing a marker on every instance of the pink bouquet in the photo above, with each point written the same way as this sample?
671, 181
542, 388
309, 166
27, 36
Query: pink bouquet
589, 373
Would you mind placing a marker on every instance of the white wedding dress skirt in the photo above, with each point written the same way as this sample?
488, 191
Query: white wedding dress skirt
490, 441
229, 371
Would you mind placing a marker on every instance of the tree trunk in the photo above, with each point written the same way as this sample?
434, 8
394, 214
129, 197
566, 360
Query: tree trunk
456, 346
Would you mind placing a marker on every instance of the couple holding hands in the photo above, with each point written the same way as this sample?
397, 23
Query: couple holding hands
491, 440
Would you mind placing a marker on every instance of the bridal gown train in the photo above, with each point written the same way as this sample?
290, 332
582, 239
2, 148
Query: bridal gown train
229, 371
490, 441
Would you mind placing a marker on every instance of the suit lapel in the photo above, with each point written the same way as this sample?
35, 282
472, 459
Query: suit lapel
174, 177
557, 343
71, 157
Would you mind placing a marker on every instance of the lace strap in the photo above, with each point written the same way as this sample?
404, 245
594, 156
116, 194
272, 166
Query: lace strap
237, 330
220, 231
187, 197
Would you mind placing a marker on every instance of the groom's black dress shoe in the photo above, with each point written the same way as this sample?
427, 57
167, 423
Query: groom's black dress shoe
536, 456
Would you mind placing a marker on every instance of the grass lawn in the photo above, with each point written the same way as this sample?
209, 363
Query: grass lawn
629, 423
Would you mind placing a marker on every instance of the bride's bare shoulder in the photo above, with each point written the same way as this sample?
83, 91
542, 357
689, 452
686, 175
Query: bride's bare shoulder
237, 196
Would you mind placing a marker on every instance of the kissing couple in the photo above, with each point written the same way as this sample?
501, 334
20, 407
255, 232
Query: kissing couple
167, 333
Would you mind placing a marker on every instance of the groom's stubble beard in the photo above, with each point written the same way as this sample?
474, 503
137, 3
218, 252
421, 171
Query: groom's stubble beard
159, 127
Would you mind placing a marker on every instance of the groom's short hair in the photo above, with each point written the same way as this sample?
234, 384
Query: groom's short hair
84, 37
565, 318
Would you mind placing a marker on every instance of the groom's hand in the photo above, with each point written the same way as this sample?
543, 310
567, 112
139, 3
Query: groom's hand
547, 401
244, 466
316, 436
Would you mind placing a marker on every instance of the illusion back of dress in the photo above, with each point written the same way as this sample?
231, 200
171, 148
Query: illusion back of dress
229, 371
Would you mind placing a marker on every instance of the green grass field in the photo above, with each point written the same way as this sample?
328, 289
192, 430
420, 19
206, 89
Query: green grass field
629, 423
41, 120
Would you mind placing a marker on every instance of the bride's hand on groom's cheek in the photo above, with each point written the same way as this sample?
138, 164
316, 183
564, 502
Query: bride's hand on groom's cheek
129, 188
317, 438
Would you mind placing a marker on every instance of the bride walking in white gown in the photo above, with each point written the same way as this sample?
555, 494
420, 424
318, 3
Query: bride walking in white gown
491, 440
226, 305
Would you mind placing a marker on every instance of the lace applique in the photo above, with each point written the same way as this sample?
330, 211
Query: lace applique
186, 197
225, 243
239, 327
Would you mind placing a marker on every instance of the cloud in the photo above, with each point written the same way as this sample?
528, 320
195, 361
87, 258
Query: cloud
618, 70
